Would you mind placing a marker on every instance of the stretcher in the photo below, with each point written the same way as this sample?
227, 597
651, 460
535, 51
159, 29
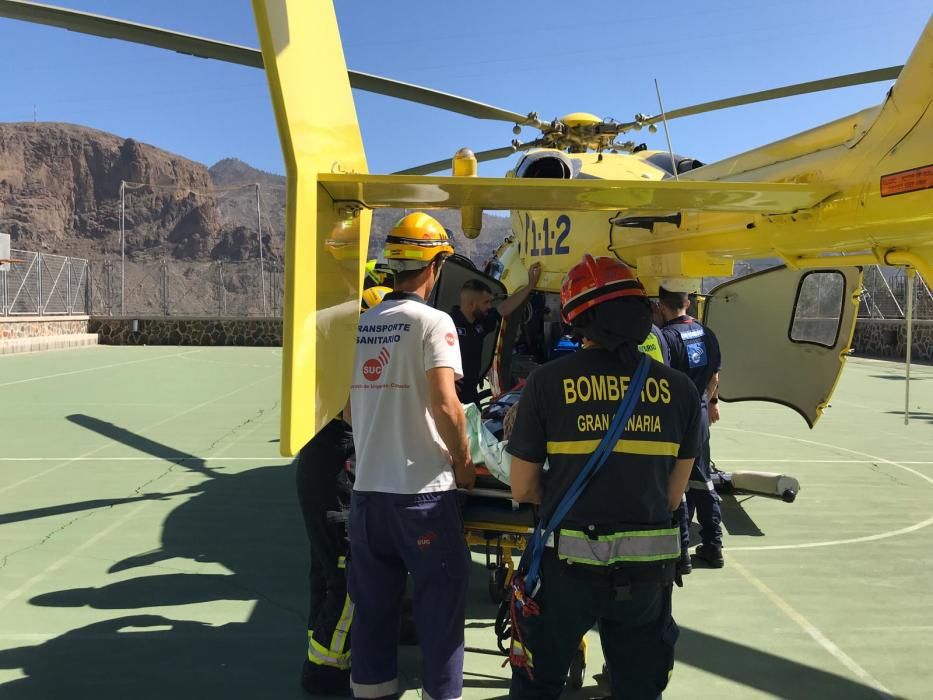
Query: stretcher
498, 528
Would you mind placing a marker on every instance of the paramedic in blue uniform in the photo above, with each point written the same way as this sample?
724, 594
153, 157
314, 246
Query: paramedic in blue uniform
475, 318
614, 557
411, 454
695, 351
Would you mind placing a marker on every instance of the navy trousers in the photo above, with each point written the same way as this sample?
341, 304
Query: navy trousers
636, 630
701, 499
390, 536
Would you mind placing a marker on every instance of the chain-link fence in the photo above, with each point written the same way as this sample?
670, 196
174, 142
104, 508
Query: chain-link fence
179, 288
41, 284
884, 294
884, 289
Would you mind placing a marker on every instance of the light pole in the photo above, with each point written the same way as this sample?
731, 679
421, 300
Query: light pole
123, 247
262, 274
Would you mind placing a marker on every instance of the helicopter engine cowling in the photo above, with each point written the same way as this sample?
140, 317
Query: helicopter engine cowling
546, 164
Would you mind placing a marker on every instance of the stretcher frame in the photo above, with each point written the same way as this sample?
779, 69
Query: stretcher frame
498, 542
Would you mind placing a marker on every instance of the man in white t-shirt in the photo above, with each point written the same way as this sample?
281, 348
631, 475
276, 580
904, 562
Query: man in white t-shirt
411, 454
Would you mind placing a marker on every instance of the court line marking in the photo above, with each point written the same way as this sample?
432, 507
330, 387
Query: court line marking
59, 563
143, 430
279, 457
94, 369
808, 461
813, 631
852, 540
166, 458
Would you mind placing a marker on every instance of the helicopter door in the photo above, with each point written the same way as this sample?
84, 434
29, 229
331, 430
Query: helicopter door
784, 335
445, 296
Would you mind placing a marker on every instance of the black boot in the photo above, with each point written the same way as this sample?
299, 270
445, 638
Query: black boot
325, 680
710, 555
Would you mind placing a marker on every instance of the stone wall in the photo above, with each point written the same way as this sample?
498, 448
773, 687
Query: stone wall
264, 332
41, 326
888, 339
873, 337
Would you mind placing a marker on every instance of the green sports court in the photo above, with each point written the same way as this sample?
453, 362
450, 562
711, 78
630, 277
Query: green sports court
151, 544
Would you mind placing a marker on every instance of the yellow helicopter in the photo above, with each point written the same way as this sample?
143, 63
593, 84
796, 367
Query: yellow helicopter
853, 192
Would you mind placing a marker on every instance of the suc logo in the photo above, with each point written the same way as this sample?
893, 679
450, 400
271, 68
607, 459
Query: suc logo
372, 369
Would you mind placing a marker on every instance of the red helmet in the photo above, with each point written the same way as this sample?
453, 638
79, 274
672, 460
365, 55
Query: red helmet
595, 280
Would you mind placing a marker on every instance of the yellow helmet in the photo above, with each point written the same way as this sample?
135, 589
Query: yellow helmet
373, 296
414, 241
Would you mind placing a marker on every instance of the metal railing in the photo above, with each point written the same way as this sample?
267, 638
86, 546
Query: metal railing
181, 288
884, 291
884, 294
41, 284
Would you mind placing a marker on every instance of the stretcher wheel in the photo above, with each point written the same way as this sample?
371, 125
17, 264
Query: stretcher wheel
577, 673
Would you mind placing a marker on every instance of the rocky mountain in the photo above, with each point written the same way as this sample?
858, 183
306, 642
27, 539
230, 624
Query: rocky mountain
60, 193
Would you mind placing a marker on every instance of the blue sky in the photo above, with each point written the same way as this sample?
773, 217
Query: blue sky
550, 57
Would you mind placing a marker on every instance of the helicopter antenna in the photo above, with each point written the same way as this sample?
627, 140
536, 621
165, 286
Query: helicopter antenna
667, 133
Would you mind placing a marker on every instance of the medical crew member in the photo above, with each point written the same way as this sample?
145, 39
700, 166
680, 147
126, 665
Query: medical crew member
475, 318
613, 559
411, 454
656, 347
695, 351
318, 471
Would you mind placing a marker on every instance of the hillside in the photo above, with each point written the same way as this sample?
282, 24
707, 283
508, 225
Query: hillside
60, 193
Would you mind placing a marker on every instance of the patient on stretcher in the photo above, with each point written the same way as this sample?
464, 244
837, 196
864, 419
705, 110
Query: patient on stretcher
490, 502
488, 433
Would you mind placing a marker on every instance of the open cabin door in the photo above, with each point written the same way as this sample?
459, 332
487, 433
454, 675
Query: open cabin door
446, 295
785, 335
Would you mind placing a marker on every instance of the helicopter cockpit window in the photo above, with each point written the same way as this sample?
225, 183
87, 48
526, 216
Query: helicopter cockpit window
818, 308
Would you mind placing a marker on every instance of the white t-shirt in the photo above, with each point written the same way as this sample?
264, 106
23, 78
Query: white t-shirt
398, 448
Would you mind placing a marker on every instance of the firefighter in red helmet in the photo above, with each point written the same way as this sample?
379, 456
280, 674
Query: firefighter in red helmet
619, 434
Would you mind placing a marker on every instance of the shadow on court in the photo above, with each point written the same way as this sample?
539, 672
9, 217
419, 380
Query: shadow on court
897, 377
915, 415
249, 523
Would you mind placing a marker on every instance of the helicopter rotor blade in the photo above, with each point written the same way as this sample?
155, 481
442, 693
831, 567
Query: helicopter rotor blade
839, 81
441, 100
481, 156
190, 44
111, 28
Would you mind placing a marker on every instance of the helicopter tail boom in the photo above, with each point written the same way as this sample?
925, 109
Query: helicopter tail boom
319, 132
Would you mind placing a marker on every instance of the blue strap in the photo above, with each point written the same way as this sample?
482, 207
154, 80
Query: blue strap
626, 408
